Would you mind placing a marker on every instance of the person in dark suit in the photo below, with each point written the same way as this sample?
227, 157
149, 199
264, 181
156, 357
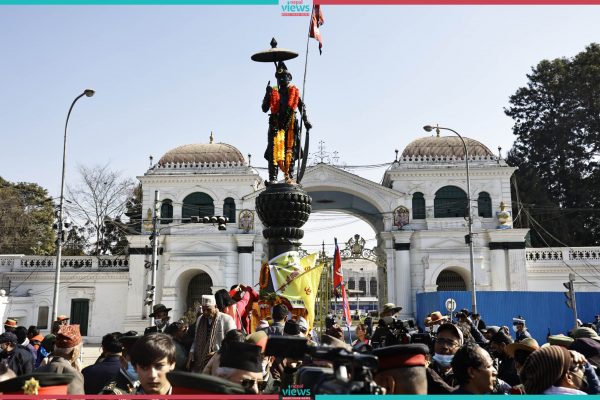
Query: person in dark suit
106, 370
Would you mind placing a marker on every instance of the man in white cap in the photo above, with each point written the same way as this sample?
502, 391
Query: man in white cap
211, 327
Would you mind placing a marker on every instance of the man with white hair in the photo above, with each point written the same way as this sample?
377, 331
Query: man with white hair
211, 327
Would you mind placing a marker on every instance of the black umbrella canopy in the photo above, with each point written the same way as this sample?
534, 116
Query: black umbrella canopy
274, 54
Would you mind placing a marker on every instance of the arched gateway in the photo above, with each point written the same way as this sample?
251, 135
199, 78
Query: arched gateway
415, 212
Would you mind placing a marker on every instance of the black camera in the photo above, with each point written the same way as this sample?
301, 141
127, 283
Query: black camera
351, 372
391, 331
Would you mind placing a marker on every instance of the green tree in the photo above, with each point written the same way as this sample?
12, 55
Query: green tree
557, 125
134, 210
26, 217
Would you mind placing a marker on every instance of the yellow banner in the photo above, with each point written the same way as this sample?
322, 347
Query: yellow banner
297, 279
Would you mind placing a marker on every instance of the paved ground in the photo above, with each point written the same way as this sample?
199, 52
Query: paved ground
90, 353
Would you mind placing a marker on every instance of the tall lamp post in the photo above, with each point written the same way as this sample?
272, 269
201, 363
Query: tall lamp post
59, 234
430, 128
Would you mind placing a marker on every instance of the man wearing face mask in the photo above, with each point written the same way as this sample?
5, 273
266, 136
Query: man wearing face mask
440, 378
520, 330
160, 313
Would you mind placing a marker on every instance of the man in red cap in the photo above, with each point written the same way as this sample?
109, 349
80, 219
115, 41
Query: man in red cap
65, 357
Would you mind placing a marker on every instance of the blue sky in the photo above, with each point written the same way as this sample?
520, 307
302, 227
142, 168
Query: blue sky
168, 75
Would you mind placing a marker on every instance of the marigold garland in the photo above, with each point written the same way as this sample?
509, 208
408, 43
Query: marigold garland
283, 146
293, 97
264, 276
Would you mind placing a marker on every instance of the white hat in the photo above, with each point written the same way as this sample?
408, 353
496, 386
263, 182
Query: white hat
303, 324
208, 300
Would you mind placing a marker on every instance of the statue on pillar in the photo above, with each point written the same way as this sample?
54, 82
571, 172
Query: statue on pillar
283, 148
284, 134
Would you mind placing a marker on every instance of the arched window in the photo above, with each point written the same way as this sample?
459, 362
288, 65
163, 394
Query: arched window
351, 283
484, 204
229, 209
373, 287
449, 281
418, 206
166, 212
450, 202
197, 204
362, 286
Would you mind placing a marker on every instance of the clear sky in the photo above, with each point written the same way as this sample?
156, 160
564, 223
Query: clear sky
169, 75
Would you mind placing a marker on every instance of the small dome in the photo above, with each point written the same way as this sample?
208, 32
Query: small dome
203, 153
445, 146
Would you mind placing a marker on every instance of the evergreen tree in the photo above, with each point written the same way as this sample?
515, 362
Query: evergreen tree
557, 125
26, 217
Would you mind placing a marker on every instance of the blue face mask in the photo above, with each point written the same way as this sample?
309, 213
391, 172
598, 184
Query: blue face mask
443, 359
131, 372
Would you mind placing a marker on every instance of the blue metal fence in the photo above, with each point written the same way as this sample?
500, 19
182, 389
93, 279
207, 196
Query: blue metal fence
543, 311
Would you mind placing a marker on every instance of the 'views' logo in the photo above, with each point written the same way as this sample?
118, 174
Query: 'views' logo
295, 392
295, 8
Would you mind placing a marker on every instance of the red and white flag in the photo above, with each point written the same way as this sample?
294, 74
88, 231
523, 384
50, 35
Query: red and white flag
346, 307
316, 21
338, 276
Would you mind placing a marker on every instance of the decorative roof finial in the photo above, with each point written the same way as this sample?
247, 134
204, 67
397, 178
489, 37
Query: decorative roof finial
212, 138
437, 130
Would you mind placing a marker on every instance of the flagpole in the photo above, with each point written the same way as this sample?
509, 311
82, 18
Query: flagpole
303, 86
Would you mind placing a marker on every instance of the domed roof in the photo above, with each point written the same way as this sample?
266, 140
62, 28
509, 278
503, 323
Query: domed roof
445, 146
203, 153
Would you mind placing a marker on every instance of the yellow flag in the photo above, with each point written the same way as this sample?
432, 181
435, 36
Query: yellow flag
297, 280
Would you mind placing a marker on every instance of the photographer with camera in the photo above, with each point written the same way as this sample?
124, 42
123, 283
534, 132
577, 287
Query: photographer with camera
391, 331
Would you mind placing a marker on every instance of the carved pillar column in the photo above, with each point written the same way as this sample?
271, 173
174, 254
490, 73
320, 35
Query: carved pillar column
245, 249
403, 277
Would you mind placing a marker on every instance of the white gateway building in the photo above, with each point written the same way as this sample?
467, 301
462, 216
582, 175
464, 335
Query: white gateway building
417, 213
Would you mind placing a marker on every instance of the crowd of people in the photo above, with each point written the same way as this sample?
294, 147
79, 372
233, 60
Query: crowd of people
224, 351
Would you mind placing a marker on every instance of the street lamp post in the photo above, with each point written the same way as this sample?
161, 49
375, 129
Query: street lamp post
430, 128
59, 234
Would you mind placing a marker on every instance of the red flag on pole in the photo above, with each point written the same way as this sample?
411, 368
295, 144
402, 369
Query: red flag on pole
346, 306
338, 277
316, 21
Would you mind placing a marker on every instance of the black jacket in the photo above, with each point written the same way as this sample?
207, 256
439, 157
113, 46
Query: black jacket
19, 360
100, 374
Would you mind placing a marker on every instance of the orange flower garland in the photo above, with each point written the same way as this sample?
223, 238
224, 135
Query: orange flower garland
264, 275
293, 97
282, 145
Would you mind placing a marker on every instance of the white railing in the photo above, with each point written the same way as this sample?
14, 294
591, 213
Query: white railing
574, 255
74, 263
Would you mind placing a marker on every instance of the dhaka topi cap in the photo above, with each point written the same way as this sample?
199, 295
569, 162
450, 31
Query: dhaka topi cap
243, 356
544, 367
208, 300
68, 336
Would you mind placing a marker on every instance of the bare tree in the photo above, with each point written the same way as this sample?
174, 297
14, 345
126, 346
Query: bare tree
99, 198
